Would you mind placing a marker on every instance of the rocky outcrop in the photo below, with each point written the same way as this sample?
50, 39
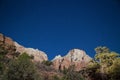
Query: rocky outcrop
75, 57
7, 46
12, 47
38, 55
6, 40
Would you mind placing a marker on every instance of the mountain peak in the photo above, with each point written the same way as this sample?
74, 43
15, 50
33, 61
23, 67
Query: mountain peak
75, 57
57, 57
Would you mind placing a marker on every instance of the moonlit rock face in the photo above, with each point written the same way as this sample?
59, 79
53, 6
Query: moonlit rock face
75, 57
39, 56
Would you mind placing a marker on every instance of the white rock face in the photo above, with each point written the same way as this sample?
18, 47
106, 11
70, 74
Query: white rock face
39, 56
57, 57
75, 57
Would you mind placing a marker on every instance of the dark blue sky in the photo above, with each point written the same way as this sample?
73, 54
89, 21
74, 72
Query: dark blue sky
56, 26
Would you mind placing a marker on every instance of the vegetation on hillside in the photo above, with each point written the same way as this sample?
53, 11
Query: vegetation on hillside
104, 66
21, 69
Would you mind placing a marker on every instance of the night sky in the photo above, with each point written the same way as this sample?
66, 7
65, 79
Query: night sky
57, 26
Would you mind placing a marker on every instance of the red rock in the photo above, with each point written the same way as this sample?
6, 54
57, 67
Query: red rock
75, 57
1, 37
9, 41
39, 56
6, 40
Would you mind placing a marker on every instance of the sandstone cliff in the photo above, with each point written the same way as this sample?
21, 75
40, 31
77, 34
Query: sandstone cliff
6, 40
39, 56
12, 47
75, 57
7, 46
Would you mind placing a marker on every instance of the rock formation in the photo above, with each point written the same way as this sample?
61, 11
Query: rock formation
75, 57
38, 55
6, 40
7, 45
12, 46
